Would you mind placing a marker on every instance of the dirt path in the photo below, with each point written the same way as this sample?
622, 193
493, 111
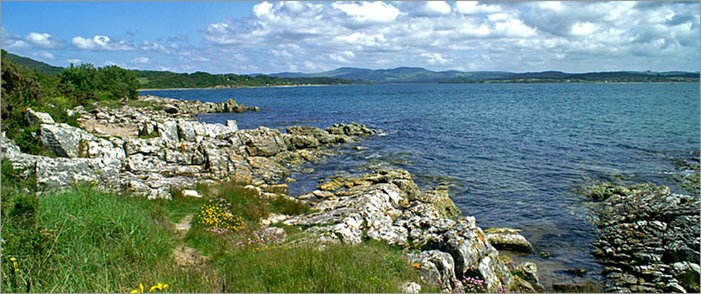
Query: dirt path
184, 255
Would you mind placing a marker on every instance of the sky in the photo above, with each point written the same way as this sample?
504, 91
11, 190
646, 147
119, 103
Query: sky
271, 37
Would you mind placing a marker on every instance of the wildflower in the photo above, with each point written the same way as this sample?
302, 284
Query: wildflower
140, 290
159, 287
15, 265
417, 265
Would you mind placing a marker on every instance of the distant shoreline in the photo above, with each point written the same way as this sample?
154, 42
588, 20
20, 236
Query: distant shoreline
435, 83
243, 87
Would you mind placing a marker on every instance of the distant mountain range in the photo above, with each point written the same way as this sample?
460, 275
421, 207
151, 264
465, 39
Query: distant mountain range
422, 75
344, 75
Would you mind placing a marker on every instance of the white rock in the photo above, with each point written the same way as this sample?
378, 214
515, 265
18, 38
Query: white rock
35, 117
191, 193
411, 287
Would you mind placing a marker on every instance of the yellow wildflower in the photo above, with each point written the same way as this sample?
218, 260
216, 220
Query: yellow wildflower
140, 290
159, 287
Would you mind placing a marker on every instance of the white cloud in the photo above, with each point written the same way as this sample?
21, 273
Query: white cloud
75, 61
44, 55
435, 58
152, 46
583, 28
425, 8
263, 10
504, 36
368, 12
317, 36
44, 40
474, 7
141, 60
344, 56
99, 42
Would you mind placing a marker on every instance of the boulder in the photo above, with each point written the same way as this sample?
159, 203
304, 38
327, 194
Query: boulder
268, 170
262, 141
170, 108
508, 239
526, 277
35, 117
62, 139
61, 173
441, 202
168, 131
322, 136
436, 268
295, 142
353, 130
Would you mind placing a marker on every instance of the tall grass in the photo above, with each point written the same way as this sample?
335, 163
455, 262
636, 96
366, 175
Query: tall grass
372, 267
84, 240
90, 241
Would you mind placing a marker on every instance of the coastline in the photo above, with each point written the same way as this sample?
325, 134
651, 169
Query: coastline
152, 152
400, 83
246, 87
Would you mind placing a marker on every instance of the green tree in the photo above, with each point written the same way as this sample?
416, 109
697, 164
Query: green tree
117, 83
79, 82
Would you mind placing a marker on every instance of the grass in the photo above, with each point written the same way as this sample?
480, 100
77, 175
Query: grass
373, 267
84, 240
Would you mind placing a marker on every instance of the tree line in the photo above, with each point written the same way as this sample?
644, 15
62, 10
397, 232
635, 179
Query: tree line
163, 80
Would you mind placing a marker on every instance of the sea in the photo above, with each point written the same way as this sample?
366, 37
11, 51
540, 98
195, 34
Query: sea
512, 155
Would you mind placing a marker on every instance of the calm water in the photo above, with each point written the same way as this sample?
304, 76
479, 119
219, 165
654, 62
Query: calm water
512, 154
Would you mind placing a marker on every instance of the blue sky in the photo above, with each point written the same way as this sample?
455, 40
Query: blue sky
267, 37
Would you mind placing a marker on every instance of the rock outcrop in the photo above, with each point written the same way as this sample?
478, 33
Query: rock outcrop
163, 151
174, 106
159, 153
649, 239
387, 206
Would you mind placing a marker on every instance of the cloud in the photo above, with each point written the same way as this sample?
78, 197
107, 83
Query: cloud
32, 40
473, 7
10, 40
101, 43
75, 61
435, 58
283, 36
368, 12
44, 55
427, 8
141, 60
44, 40
152, 46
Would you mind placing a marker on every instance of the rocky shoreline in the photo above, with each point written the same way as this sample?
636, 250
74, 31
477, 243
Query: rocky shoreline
649, 238
154, 152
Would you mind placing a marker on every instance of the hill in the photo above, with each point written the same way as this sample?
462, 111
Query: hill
34, 65
422, 75
347, 75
